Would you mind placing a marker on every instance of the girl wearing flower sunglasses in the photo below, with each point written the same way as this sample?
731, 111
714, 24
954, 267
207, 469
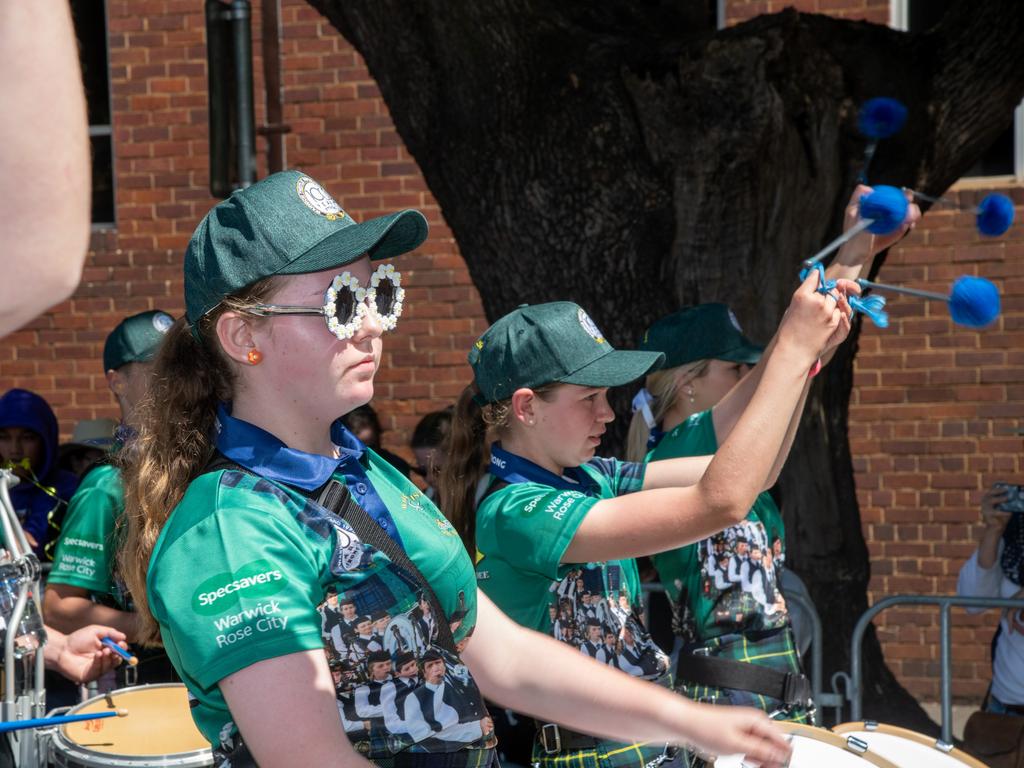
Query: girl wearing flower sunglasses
554, 530
317, 606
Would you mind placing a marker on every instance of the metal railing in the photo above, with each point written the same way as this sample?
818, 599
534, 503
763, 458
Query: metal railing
944, 603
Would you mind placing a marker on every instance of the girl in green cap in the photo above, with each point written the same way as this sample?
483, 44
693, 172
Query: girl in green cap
554, 530
726, 589
317, 606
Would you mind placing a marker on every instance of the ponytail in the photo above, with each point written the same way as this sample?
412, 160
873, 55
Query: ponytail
467, 453
663, 387
174, 442
466, 456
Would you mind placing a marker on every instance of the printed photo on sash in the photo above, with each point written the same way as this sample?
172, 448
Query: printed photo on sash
740, 574
590, 610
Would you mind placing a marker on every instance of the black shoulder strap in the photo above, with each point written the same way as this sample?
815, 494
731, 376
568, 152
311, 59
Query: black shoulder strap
336, 499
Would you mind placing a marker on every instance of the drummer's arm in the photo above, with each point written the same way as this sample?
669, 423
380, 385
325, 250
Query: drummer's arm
68, 608
309, 727
81, 656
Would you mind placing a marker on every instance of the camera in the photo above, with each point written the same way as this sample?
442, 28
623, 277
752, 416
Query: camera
1014, 498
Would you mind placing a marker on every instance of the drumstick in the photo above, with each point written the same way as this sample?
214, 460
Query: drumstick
132, 660
972, 301
43, 722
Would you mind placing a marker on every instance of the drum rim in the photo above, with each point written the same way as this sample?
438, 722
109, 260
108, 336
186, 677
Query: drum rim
69, 747
89, 759
833, 739
906, 733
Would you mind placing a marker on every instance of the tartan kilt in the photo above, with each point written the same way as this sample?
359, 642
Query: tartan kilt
775, 650
605, 754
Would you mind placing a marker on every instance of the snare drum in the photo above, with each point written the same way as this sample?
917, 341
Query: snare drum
908, 749
818, 748
157, 731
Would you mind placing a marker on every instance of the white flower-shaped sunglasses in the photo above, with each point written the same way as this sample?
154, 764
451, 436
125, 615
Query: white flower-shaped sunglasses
346, 302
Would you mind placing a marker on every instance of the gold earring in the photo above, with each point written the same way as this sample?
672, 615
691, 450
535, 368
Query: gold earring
255, 357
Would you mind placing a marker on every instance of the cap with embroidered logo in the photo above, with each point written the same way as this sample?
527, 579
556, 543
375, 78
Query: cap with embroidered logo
135, 339
285, 224
546, 343
704, 332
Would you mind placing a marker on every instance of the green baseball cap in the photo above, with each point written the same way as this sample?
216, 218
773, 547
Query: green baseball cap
285, 224
704, 332
136, 339
545, 343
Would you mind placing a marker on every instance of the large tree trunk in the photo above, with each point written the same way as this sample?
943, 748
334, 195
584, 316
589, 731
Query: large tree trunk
618, 155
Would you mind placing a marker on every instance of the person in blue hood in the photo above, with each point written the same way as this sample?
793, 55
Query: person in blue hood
28, 430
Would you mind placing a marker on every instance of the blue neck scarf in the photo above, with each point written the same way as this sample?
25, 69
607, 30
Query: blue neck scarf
515, 469
261, 452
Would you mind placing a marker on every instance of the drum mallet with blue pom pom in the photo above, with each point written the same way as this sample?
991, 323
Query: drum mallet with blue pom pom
972, 301
993, 215
879, 118
881, 212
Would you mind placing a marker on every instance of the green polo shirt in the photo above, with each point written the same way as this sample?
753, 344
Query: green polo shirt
716, 579
522, 533
87, 549
242, 570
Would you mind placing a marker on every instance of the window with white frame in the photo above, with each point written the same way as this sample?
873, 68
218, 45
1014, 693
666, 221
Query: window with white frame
1006, 155
90, 20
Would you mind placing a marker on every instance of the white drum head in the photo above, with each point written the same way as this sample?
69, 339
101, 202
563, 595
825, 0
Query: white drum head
816, 748
906, 748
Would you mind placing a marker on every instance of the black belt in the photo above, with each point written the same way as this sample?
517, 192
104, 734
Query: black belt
556, 738
791, 688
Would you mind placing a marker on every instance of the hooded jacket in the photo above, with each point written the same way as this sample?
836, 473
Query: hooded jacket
21, 408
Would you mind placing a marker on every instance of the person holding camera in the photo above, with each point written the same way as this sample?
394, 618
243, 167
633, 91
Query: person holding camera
996, 569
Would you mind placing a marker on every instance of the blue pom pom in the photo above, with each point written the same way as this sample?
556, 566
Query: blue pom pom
881, 117
887, 207
974, 302
995, 215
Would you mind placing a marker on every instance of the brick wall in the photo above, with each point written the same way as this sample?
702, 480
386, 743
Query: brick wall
935, 409
341, 134
934, 420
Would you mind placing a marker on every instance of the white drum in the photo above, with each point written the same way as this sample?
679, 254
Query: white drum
908, 749
157, 731
817, 748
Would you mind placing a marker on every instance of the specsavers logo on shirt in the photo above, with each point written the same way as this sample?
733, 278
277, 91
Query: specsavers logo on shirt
220, 593
78, 557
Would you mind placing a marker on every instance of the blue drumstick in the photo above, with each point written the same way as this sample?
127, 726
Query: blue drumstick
132, 660
42, 722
